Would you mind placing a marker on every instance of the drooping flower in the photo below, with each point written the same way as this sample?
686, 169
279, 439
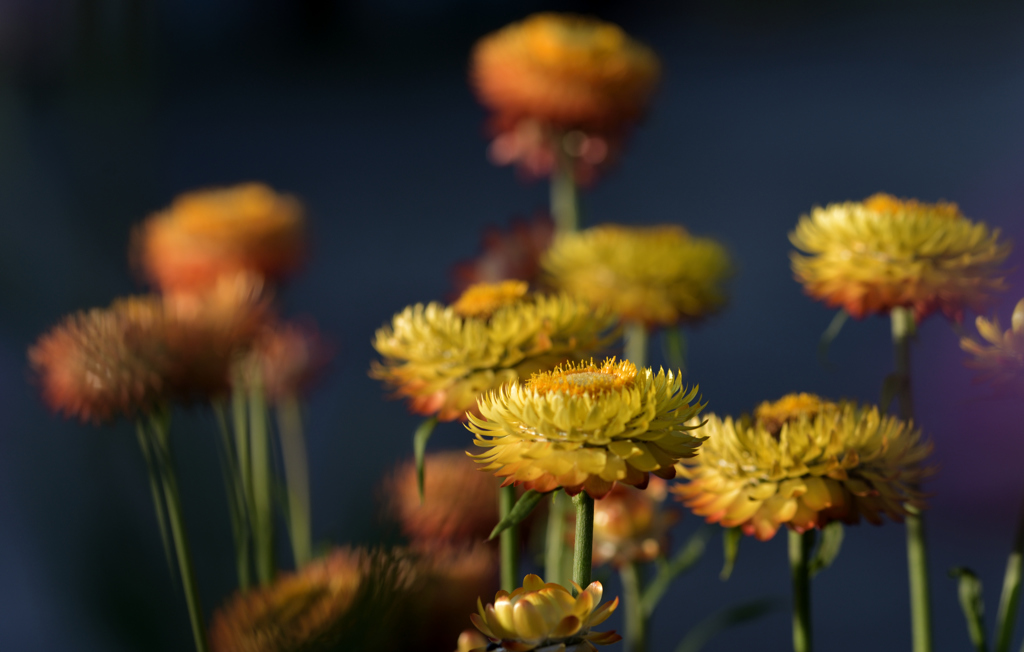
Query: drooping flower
872, 256
348, 600
1002, 360
585, 427
513, 253
539, 616
658, 275
442, 361
632, 526
209, 233
843, 462
105, 362
561, 81
459, 503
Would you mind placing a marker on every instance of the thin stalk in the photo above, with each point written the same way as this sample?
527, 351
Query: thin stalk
554, 541
236, 499
582, 558
509, 541
240, 421
1010, 597
800, 546
262, 486
903, 329
564, 196
635, 343
172, 498
155, 489
296, 477
634, 619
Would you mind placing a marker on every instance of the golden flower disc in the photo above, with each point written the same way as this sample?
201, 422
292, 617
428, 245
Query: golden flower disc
482, 299
872, 256
538, 615
658, 275
585, 427
209, 233
772, 414
442, 362
572, 72
843, 463
1002, 360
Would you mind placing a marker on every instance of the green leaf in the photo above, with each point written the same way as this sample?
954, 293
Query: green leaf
523, 507
675, 348
972, 604
828, 547
718, 622
419, 449
731, 547
830, 335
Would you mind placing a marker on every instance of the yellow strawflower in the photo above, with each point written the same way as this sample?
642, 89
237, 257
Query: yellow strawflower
441, 358
1002, 361
872, 256
539, 616
585, 427
656, 275
843, 462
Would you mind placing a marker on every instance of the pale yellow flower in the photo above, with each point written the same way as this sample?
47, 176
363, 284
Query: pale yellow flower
1002, 360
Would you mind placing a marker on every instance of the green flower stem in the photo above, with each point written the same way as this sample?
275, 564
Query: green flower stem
156, 490
635, 343
509, 541
582, 558
240, 421
262, 486
634, 619
800, 546
296, 477
160, 442
903, 329
1010, 598
236, 499
564, 197
554, 543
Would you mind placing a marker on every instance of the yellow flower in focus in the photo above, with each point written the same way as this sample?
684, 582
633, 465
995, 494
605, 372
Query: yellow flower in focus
442, 362
1003, 360
306, 610
568, 71
632, 525
872, 256
842, 463
538, 615
585, 427
657, 275
210, 233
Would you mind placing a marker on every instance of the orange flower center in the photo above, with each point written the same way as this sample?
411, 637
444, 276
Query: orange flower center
883, 203
484, 299
585, 379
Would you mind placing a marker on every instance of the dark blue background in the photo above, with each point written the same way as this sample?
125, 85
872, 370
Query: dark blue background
362, 110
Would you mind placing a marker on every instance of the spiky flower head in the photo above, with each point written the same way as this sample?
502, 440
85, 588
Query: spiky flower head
208, 233
872, 256
573, 72
443, 361
1002, 360
842, 463
632, 526
539, 616
105, 362
657, 275
584, 427
459, 503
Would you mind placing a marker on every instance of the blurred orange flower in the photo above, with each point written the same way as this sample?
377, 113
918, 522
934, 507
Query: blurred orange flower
209, 233
631, 525
512, 253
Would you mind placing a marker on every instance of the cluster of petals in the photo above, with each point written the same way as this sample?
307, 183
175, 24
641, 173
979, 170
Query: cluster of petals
872, 256
545, 617
658, 275
1002, 360
631, 526
442, 361
144, 351
459, 503
207, 234
585, 427
843, 462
